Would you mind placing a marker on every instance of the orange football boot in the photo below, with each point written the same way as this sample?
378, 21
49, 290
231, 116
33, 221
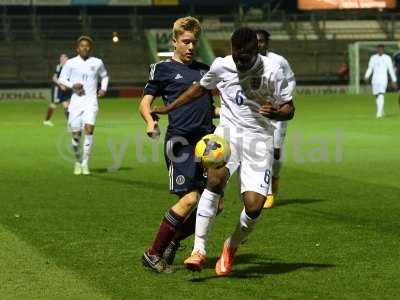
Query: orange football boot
224, 264
195, 262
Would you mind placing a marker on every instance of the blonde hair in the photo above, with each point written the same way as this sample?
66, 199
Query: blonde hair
186, 24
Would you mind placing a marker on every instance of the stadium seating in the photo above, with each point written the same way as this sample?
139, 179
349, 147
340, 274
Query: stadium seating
353, 30
21, 27
64, 27
31, 44
396, 30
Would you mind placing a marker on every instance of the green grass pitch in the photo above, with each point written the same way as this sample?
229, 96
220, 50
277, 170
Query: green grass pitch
334, 234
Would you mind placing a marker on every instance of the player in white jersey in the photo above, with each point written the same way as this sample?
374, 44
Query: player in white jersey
379, 65
82, 74
253, 91
280, 126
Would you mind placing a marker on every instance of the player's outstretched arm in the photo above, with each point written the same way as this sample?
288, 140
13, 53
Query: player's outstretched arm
104, 80
103, 87
190, 95
284, 112
370, 69
145, 111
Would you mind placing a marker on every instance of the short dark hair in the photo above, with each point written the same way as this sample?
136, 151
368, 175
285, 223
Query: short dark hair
84, 38
264, 33
380, 46
243, 36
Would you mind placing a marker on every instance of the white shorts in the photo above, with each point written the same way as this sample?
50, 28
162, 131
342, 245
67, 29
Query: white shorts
252, 154
79, 116
279, 133
379, 87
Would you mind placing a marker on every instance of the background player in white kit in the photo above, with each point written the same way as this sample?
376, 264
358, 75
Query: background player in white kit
280, 126
81, 74
253, 91
379, 65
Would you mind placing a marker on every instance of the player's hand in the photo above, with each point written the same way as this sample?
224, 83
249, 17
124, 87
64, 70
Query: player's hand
160, 110
101, 93
152, 130
267, 110
154, 116
394, 86
63, 88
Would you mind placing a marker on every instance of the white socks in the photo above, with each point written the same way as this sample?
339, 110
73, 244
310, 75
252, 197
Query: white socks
87, 148
380, 102
243, 229
206, 212
76, 147
276, 170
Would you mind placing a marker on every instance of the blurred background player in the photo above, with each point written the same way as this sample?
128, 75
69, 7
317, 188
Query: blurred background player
280, 126
59, 93
379, 65
396, 60
245, 80
81, 74
187, 125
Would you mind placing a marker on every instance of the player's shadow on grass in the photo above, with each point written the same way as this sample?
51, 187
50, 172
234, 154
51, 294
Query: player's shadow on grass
391, 115
110, 170
254, 268
283, 202
134, 183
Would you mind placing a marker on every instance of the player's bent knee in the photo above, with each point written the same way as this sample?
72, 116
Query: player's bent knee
76, 135
254, 212
216, 180
89, 129
214, 184
253, 203
187, 202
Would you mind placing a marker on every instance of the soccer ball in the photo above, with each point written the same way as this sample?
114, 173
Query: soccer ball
213, 151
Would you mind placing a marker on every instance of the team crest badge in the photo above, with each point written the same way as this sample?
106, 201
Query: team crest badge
93, 68
180, 180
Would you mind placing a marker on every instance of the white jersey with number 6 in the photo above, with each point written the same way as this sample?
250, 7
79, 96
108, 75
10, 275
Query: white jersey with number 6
242, 94
250, 134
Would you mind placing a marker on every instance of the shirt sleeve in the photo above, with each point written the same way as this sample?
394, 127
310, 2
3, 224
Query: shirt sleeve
102, 70
289, 75
57, 70
154, 85
370, 68
212, 77
286, 69
282, 91
65, 75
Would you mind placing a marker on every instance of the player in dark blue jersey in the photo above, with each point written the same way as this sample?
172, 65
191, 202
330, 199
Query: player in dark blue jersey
169, 79
396, 60
59, 94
